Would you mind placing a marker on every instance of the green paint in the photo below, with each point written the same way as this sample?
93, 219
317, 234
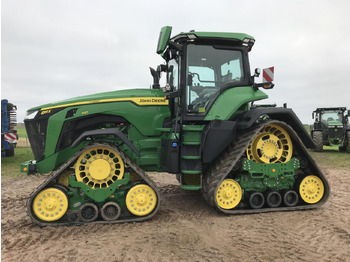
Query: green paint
191, 157
76, 199
145, 129
163, 39
226, 35
275, 176
191, 172
99, 194
190, 187
25, 166
227, 104
105, 95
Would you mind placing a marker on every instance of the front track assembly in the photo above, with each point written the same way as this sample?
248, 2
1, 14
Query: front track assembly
99, 184
267, 169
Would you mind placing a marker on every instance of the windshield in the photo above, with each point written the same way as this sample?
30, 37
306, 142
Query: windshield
209, 70
331, 116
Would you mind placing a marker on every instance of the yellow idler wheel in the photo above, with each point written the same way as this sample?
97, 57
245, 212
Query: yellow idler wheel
229, 194
99, 167
141, 200
311, 189
50, 204
271, 145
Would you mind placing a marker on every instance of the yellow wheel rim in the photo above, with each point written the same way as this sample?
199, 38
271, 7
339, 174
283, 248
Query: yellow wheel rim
271, 145
99, 167
141, 200
50, 204
311, 189
229, 194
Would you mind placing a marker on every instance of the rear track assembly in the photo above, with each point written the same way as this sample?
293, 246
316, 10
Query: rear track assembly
227, 163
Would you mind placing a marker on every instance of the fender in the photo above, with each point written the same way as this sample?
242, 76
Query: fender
216, 137
286, 115
107, 131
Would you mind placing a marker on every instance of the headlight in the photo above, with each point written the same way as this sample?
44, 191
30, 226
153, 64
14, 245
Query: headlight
31, 114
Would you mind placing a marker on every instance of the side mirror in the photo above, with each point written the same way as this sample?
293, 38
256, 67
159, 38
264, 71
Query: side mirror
163, 39
155, 76
348, 113
161, 68
257, 72
313, 115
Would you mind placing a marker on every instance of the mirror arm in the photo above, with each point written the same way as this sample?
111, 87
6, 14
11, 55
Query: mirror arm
171, 95
177, 46
267, 85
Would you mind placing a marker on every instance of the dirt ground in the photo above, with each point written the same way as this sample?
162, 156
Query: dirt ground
185, 229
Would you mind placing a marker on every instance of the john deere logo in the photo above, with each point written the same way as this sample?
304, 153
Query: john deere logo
45, 112
152, 100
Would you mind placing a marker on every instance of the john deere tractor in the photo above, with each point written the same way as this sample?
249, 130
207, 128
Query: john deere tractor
331, 128
203, 126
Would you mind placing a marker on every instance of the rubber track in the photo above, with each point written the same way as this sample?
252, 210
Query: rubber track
229, 158
67, 164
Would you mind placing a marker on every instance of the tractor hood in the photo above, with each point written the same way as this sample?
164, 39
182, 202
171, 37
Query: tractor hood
335, 123
137, 96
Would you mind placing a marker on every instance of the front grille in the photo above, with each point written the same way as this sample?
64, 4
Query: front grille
36, 131
336, 133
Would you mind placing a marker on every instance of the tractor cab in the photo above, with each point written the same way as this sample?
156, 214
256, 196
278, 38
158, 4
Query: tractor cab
200, 66
208, 84
330, 116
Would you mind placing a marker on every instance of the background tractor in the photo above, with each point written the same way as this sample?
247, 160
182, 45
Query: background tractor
331, 128
203, 126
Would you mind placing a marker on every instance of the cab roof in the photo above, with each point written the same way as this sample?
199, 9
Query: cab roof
216, 35
166, 40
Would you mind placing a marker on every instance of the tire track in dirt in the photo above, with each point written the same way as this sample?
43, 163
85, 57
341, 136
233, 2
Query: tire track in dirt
185, 229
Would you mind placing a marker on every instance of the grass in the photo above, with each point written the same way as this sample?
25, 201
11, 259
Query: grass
10, 166
21, 131
331, 157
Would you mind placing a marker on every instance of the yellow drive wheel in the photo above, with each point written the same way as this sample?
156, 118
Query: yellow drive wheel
229, 194
50, 204
99, 167
311, 189
141, 200
271, 145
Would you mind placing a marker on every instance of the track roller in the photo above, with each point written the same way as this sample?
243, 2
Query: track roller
290, 198
88, 212
110, 211
256, 200
273, 199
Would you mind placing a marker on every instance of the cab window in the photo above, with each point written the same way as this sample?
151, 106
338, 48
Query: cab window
209, 71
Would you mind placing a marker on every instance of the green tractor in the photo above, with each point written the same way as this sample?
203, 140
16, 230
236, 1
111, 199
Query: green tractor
331, 128
202, 126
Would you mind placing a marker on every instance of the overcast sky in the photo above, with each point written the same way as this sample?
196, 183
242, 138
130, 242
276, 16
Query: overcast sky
56, 49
